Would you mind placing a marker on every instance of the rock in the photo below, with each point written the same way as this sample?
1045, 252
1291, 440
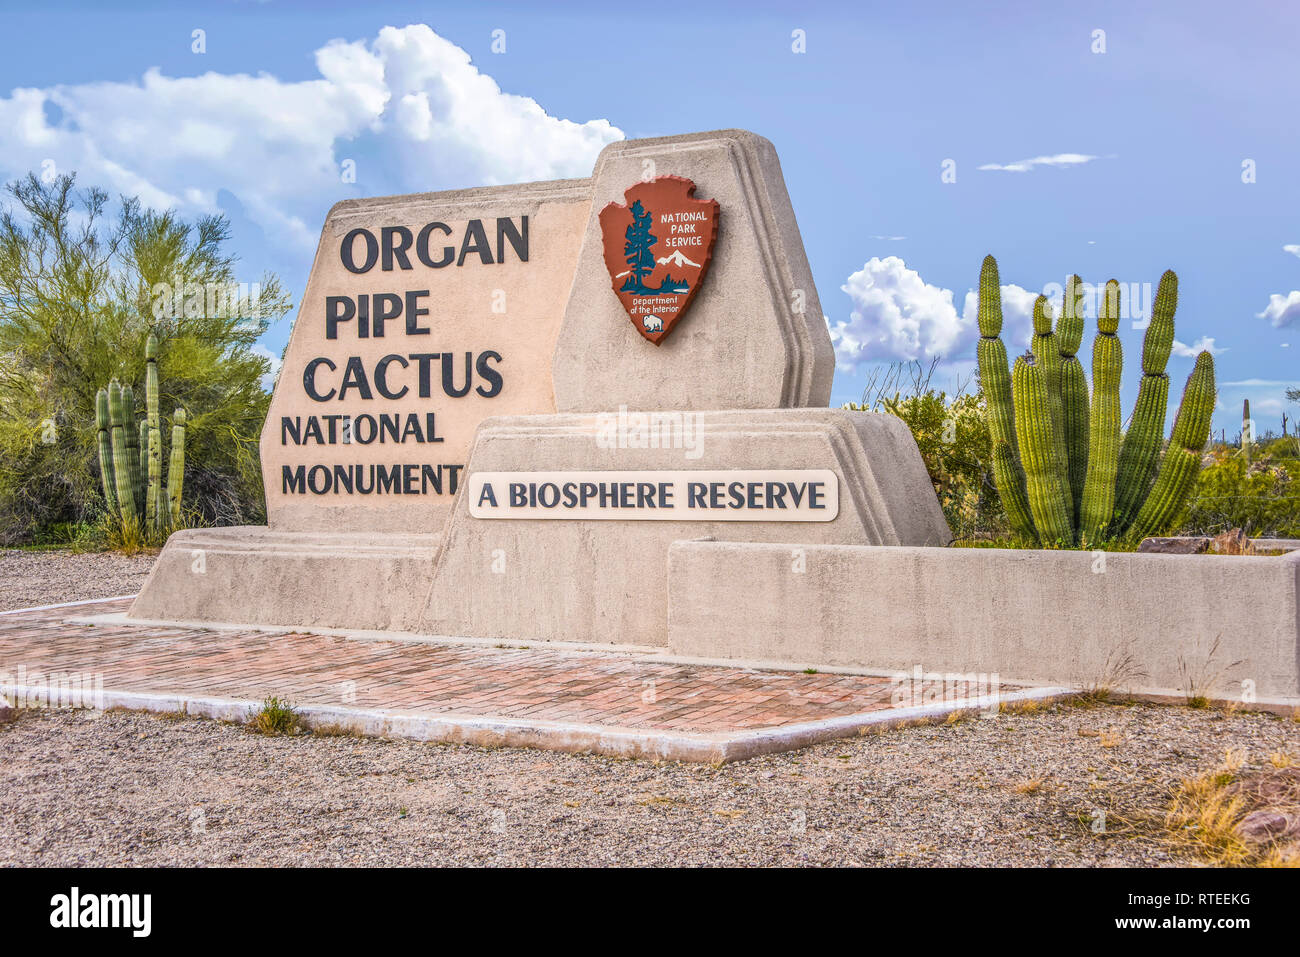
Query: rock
1176, 545
1231, 542
1263, 826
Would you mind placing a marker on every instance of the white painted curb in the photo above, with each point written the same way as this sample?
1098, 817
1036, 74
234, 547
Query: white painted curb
611, 740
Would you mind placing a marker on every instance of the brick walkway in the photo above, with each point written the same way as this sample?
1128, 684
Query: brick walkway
572, 700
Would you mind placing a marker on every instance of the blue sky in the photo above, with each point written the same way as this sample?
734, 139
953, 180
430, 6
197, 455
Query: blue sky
1141, 146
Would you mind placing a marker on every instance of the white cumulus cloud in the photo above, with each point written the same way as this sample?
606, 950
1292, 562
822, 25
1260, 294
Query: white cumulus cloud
1282, 310
1203, 344
268, 380
1292, 248
1062, 160
897, 316
425, 113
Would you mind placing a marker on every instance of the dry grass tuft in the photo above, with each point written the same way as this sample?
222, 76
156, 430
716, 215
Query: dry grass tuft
1030, 785
276, 717
1239, 818
335, 730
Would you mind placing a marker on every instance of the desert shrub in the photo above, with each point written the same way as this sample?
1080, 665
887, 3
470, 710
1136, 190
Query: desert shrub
952, 435
1261, 495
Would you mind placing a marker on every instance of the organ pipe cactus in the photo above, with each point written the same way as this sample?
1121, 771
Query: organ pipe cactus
1074, 479
131, 453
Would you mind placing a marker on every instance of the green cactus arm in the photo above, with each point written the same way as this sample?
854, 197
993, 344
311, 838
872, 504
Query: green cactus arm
132, 430
1097, 507
1196, 408
1010, 481
104, 432
142, 447
1047, 355
1159, 339
121, 453
995, 380
176, 468
1140, 451
1074, 407
1182, 460
1069, 328
1074, 391
1038, 453
990, 300
152, 504
1139, 455
1173, 486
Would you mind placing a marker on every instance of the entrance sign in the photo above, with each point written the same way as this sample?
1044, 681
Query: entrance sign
657, 251
726, 495
454, 444
423, 315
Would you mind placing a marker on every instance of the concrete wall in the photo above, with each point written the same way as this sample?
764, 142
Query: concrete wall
253, 575
1186, 623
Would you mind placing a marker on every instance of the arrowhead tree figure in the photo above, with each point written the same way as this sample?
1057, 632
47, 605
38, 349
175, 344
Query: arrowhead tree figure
637, 251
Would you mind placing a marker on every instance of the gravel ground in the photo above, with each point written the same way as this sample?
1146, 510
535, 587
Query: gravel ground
30, 578
116, 788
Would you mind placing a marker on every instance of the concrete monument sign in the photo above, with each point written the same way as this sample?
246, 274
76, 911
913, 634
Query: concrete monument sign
497, 412
423, 315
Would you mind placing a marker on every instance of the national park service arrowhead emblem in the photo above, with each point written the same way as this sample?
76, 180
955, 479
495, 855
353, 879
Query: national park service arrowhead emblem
657, 250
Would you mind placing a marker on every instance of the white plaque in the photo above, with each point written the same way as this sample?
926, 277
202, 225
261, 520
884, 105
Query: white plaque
704, 495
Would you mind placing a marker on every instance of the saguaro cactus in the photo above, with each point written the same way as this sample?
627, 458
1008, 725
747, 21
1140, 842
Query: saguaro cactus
1141, 448
1097, 506
1247, 430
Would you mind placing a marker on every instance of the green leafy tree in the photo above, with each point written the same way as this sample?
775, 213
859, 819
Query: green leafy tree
82, 286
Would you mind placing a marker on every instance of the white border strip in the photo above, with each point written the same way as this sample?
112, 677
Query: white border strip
67, 604
573, 737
